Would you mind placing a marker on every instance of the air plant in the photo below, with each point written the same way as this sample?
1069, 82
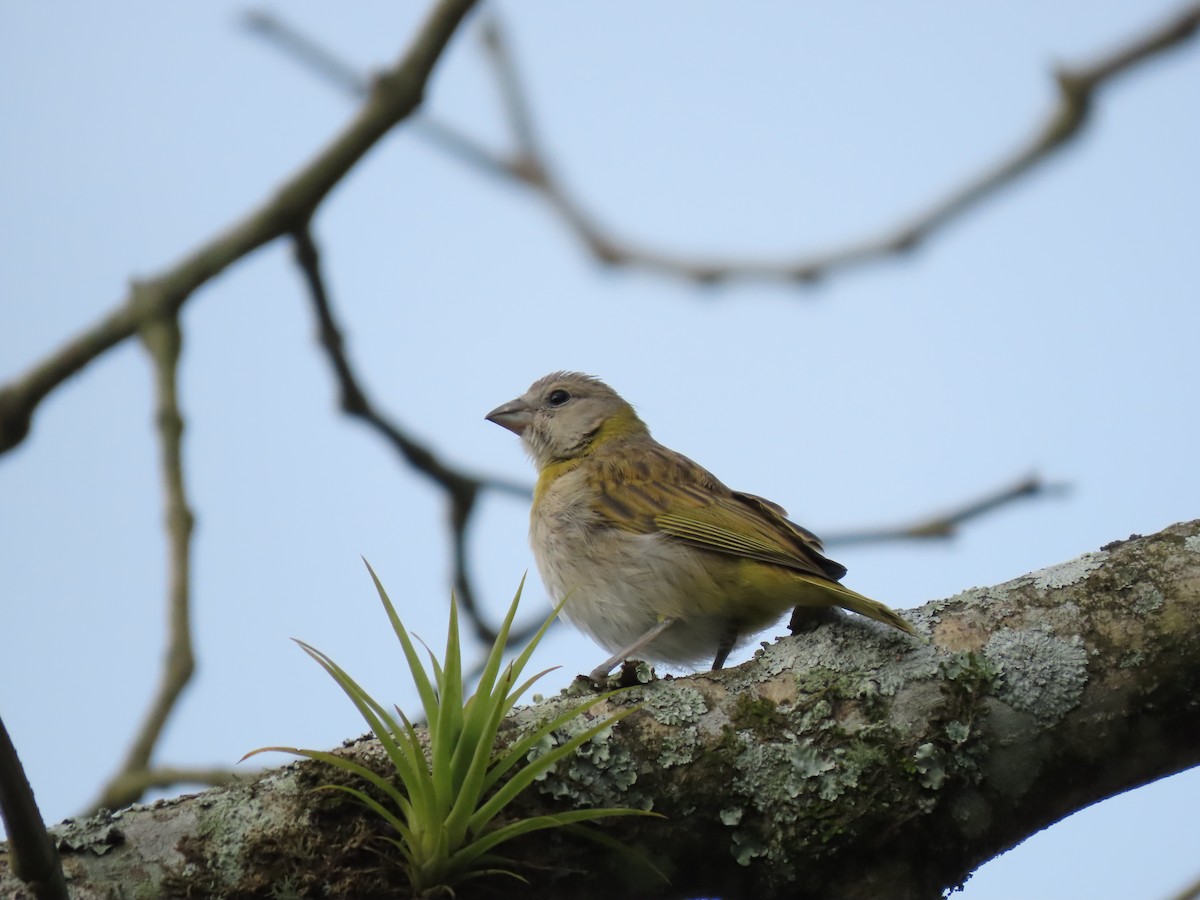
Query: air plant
445, 805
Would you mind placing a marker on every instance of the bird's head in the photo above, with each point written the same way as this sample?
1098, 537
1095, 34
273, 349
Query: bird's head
567, 415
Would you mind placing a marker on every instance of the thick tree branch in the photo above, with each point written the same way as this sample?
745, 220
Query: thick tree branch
394, 95
850, 762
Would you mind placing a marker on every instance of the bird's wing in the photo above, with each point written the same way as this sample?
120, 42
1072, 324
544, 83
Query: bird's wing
662, 491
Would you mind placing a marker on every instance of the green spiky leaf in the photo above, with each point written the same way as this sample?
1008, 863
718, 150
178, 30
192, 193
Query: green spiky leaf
445, 802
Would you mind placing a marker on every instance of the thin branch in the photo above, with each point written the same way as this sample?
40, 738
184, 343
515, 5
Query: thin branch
394, 96
1077, 89
292, 42
127, 787
35, 859
947, 524
512, 93
163, 340
309, 54
529, 164
461, 488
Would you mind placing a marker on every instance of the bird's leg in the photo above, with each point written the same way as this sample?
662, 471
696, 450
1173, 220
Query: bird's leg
728, 638
600, 673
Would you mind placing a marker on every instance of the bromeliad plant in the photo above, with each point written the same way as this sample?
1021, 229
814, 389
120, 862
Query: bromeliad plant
445, 805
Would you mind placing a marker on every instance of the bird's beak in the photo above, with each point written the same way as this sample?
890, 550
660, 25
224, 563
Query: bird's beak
515, 415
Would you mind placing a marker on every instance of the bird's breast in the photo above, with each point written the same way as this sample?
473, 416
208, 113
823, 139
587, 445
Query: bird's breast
619, 584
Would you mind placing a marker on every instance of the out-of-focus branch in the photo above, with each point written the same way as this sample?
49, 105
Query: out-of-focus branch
306, 51
292, 42
128, 786
947, 524
35, 859
530, 164
461, 488
393, 97
1191, 892
163, 340
1077, 89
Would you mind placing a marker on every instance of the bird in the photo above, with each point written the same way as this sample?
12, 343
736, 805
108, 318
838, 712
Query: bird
649, 553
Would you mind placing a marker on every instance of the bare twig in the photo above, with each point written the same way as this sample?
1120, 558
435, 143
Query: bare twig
292, 42
530, 165
35, 859
307, 52
946, 525
151, 309
1077, 89
461, 489
394, 96
127, 786
163, 340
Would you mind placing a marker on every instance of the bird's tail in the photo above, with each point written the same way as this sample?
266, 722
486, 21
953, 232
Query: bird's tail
865, 606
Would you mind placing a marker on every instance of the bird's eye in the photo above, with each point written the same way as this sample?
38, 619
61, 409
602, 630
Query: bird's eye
558, 398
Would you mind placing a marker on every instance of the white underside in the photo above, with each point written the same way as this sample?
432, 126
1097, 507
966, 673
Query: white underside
618, 586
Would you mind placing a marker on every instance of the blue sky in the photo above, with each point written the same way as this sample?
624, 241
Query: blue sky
1053, 329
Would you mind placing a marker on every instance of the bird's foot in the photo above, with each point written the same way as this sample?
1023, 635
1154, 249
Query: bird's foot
632, 672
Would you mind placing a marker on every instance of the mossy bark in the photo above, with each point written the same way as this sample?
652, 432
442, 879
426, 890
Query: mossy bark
849, 762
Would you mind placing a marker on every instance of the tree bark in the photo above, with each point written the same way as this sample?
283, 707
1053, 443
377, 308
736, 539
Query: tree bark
849, 762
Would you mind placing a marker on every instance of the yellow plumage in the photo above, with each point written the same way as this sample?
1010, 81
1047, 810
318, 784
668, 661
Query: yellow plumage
654, 553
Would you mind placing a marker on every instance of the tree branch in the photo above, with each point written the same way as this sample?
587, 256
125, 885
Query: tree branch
34, 858
947, 524
294, 43
1191, 892
394, 96
530, 165
128, 785
461, 489
1077, 90
851, 761
163, 340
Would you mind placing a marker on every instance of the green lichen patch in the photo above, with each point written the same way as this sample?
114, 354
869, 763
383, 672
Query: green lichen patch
747, 846
852, 658
930, 765
773, 776
967, 681
1145, 598
1131, 659
816, 717
1068, 573
817, 792
599, 773
732, 815
1041, 673
957, 731
675, 704
89, 835
679, 748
